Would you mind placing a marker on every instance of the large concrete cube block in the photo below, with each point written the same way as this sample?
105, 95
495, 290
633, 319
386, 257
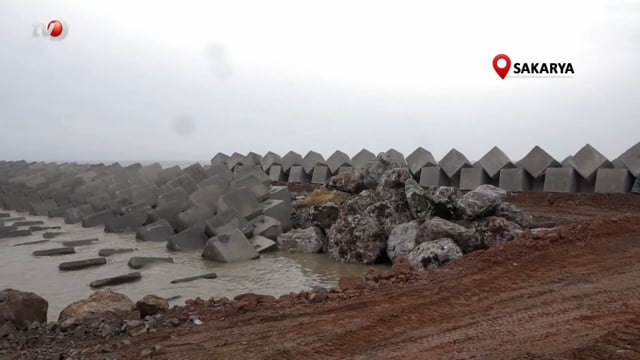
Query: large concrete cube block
241, 200
471, 178
197, 214
42, 208
453, 162
252, 170
229, 247
298, 175
418, 159
631, 159
184, 181
515, 180
337, 160
219, 159
160, 230
588, 160
279, 210
277, 173
168, 174
192, 238
221, 171
320, 174
311, 160
494, 161
236, 160
148, 194
290, 159
253, 185
433, 176
270, 159
175, 195
253, 159
537, 161
228, 220
280, 193
266, 226
196, 171
613, 181
563, 180
362, 159
130, 221
397, 156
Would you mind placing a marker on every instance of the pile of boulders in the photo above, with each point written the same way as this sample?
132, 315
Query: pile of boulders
389, 215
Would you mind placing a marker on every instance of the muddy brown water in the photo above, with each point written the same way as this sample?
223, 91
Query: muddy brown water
275, 273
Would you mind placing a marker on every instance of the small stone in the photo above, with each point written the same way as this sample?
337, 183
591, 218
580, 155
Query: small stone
172, 322
67, 324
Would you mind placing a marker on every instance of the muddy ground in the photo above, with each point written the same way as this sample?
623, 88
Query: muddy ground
567, 294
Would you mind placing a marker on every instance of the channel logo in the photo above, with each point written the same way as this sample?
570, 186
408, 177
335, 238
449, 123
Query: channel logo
53, 30
502, 65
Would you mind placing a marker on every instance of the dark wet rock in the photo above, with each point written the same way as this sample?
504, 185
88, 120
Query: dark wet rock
324, 215
493, 230
138, 262
309, 241
151, 305
81, 264
444, 201
31, 242
372, 174
73, 243
433, 254
108, 252
55, 252
51, 235
192, 278
437, 228
116, 280
15, 233
481, 201
103, 305
402, 239
19, 307
514, 214
28, 223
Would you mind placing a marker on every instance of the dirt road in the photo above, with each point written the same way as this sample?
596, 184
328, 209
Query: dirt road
570, 294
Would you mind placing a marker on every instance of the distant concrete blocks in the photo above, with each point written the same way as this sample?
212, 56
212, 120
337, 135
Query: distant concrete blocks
311, 160
433, 176
471, 178
298, 175
453, 162
397, 156
418, 159
515, 180
537, 161
321, 174
337, 160
290, 159
494, 161
270, 159
276, 173
362, 159
219, 159
252, 170
631, 159
613, 181
562, 180
587, 161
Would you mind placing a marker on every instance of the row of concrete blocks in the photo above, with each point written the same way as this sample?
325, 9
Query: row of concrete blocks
169, 203
587, 170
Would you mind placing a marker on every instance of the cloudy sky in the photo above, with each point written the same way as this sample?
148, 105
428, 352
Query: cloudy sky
183, 80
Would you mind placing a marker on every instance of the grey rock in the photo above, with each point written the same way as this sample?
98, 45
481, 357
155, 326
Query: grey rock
324, 215
356, 238
116, 280
514, 214
309, 241
402, 239
493, 230
481, 201
438, 228
138, 262
192, 278
373, 173
433, 254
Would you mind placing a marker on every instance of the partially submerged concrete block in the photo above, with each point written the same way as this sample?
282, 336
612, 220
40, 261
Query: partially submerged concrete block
453, 162
613, 181
192, 238
42, 208
262, 244
241, 200
362, 159
337, 160
418, 159
563, 180
116, 280
229, 247
194, 215
471, 178
588, 160
160, 230
515, 180
266, 226
537, 161
494, 161
298, 175
226, 221
433, 176
279, 210
98, 218
321, 174
138, 262
253, 185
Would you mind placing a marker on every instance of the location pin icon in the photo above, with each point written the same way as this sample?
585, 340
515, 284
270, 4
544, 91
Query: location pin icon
502, 72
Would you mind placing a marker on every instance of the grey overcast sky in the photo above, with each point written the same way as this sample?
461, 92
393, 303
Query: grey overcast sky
183, 80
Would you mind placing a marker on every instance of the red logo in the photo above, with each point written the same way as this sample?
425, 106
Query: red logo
504, 70
55, 28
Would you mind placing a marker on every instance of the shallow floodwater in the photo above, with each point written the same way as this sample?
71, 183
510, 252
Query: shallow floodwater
274, 273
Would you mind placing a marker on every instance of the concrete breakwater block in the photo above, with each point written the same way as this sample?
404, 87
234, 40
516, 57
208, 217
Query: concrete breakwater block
270, 159
229, 247
7, 228
636, 186
51, 235
146, 195
277, 173
262, 244
184, 181
138, 262
168, 174
76, 214
337, 160
160, 230
168, 212
216, 180
99, 202
613, 181
290, 159
196, 171
81, 264
130, 221
563, 180
397, 156
453, 162
362, 159
192, 238
174, 196
116, 280
537, 161
298, 175
320, 174
254, 170
494, 161
208, 196
588, 160
311, 160
279, 210
194, 215
31, 242
83, 242
280, 193
28, 223
98, 218
515, 180
197, 277
253, 185
242, 201
226, 221
109, 251
631, 160
221, 171
418, 159
433, 176
59, 211
471, 178
219, 159
55, 251
15, 233
42, 208
266, 226
4, 215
